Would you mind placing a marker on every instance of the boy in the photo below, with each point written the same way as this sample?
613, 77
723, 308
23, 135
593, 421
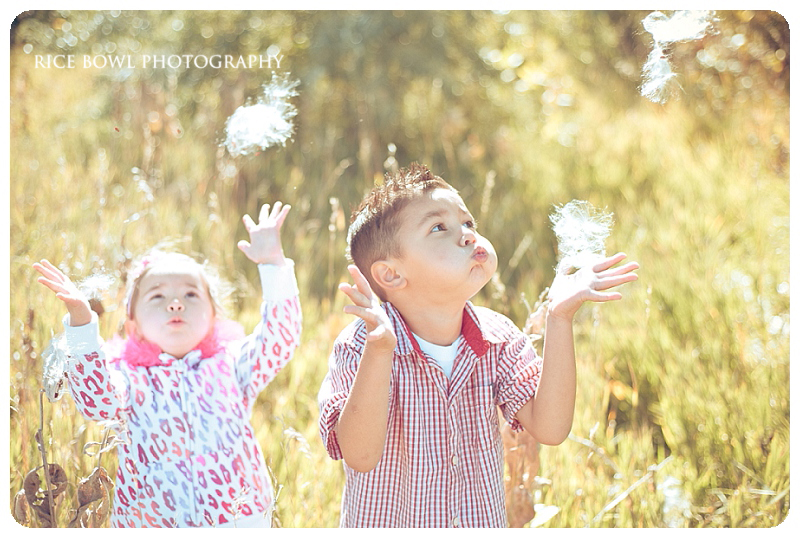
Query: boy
410, 399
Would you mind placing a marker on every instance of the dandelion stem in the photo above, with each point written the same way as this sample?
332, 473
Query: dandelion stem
622, 496
596, 449
40, 442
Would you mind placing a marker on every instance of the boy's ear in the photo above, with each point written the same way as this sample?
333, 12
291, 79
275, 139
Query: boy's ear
385, 275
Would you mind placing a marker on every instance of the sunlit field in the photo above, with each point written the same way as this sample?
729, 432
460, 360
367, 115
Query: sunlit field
682, 412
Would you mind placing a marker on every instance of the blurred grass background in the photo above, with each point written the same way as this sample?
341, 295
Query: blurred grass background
682, 414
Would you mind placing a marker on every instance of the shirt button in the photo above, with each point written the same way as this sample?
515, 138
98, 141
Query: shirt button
456, 522
455, 460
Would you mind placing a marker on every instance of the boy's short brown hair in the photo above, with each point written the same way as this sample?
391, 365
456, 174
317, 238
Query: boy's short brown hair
374, 224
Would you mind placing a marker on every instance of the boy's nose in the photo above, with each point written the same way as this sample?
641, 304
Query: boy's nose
175, 306
468, 237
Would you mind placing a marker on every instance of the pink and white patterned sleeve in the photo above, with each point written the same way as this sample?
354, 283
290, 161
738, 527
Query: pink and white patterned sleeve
98, 391
277, 335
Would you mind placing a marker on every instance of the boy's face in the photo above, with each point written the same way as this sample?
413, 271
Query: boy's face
173, 309
443, 257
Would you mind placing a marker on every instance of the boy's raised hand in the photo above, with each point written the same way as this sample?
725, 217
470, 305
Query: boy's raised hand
570, 291
77, 305
265, 237
366, 305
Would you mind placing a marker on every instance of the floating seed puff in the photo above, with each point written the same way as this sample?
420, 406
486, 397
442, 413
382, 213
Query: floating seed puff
657, 74
268, 122
581, 230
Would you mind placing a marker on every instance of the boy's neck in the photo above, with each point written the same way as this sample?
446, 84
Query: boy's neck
440, 324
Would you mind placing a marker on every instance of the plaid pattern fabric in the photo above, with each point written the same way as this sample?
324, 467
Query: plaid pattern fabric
442, 464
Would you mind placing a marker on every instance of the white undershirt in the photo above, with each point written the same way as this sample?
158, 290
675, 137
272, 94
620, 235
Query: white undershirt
445, 356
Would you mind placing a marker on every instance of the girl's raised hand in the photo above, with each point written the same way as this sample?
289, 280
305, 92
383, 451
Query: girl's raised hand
366, 305
77, 305
265, 237
570, 291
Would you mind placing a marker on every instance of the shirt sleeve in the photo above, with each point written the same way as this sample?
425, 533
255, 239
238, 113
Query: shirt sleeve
273, 341
342, 368
98, 391
521, 369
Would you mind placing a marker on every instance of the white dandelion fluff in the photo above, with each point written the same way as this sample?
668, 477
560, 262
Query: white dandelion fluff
581, 230
54, 368
658, 77
266, 123
93, 285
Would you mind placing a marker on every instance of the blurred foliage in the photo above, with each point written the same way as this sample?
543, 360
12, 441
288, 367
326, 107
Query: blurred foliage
519, 111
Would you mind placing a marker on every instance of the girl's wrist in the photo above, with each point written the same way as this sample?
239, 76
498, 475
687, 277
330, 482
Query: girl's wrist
79, 316
279, 262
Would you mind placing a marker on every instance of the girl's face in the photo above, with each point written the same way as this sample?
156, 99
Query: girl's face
173, 309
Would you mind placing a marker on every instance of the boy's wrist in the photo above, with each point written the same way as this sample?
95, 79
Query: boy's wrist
555, 318
373, 348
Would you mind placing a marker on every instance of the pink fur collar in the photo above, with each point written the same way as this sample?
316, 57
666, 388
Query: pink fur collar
136, 352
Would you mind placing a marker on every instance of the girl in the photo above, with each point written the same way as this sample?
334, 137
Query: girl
182, 384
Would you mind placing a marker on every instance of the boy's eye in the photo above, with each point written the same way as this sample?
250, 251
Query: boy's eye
191, 294
439, 228
471, 224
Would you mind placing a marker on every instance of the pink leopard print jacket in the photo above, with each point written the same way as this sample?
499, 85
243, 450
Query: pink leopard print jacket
190, 456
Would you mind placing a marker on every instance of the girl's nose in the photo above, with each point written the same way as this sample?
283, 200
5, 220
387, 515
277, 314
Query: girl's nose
175, 306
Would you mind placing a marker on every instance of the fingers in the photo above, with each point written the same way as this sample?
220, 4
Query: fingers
610, 282
360, 293
361, 282
49, 270
282, 215
622, 269
54, 286
248, 223
263, 214
275, 210
52, 277
371, 317
601, 297
266, 217
608, 262
358, 298
278, 214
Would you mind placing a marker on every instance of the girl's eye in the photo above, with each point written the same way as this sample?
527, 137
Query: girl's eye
156, 296
471, 224
191, 294
438, 228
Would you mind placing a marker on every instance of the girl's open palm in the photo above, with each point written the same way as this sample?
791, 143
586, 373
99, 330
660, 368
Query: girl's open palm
570, 291
77, 305
367, 306
265, 237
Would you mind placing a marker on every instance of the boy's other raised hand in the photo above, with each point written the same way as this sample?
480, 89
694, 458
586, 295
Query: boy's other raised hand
265, 237
367, 306
76, 302
569, 291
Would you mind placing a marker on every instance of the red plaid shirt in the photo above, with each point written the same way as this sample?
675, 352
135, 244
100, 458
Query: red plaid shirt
442, 464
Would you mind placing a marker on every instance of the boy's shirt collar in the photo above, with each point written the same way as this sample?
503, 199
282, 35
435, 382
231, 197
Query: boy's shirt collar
470, 330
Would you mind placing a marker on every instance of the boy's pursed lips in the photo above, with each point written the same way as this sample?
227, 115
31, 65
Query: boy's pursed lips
480, 254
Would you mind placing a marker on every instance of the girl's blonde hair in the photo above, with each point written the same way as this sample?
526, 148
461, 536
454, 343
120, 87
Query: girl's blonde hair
218, 290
